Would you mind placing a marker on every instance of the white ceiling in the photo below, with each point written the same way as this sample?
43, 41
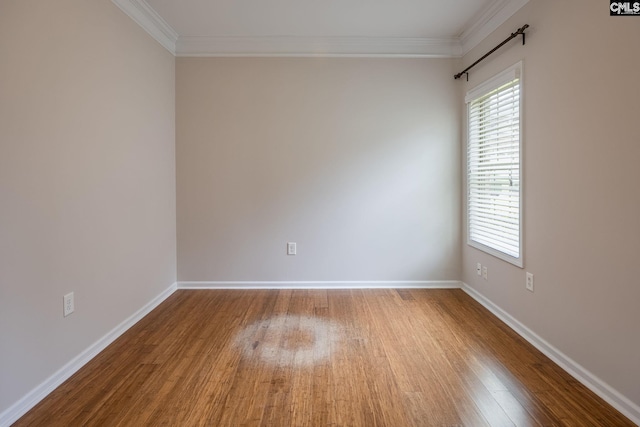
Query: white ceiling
320, 27
318, 18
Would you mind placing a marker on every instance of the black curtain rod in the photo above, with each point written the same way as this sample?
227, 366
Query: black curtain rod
520, 32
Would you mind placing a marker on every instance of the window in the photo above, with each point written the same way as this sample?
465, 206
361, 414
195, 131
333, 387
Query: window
494, 187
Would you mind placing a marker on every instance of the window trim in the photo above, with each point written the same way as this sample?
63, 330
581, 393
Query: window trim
510, 74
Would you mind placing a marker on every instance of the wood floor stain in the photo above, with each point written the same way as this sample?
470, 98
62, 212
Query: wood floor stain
321, 358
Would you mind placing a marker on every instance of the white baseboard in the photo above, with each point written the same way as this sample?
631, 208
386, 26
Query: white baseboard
417, 284
589, 380
21, 407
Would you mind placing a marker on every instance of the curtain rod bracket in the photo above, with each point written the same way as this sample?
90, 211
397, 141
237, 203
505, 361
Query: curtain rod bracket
519, 32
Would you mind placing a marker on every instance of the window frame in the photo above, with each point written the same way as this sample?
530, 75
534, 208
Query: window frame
493, 83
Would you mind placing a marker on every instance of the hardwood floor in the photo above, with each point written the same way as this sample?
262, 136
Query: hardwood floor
321, 358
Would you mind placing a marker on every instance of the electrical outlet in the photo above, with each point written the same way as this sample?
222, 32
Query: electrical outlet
529, 283
291, 248
485, 273
68, 304
479, 269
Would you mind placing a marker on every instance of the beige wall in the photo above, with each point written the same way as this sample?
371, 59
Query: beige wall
87, 180
582, 148
356, 160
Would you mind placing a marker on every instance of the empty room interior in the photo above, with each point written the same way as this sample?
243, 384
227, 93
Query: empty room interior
291, 213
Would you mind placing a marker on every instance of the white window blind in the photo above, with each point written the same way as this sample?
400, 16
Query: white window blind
493, 167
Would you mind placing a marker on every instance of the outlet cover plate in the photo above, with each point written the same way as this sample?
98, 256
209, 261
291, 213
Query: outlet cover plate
529, 283
68, 307
291, 248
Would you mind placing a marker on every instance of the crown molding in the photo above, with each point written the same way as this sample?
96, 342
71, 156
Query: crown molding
318, 46
476, 30
145, 16
487, 21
